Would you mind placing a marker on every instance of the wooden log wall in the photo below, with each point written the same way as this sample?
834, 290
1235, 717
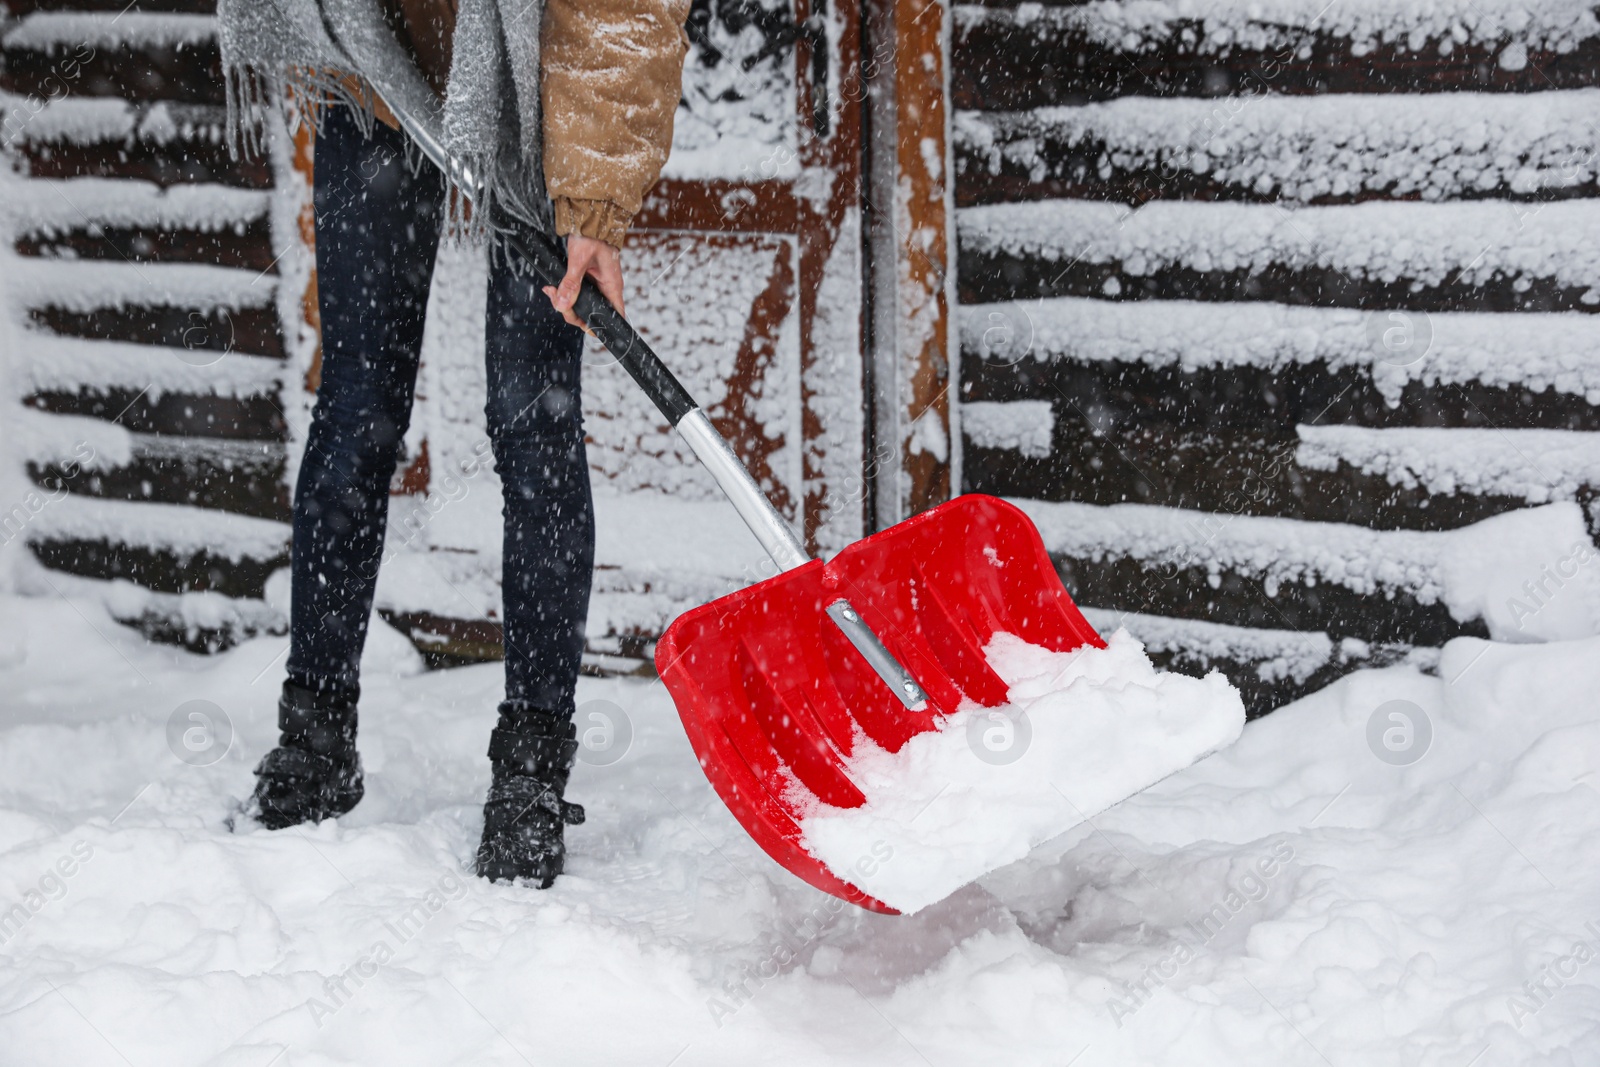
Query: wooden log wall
166, 329
148, 334
1249, 311
1259, 317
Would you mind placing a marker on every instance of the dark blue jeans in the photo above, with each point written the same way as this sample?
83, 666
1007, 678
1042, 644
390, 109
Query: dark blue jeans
378, 219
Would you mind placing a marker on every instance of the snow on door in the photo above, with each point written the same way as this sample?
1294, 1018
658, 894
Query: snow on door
744, 274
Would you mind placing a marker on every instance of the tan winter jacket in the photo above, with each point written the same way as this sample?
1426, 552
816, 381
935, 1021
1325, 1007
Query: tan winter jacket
613, 73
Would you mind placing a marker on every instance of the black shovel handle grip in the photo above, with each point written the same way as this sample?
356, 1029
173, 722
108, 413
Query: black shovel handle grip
609, 327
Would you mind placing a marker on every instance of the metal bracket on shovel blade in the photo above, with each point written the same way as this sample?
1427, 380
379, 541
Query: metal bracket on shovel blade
881, 659
788, 553
661, 386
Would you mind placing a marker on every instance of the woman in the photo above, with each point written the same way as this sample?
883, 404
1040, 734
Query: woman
611, 74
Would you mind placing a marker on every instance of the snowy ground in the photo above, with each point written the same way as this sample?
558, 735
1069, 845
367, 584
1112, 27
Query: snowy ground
1292, 900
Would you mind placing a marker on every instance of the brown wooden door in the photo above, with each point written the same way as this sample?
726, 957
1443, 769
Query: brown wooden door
745, 272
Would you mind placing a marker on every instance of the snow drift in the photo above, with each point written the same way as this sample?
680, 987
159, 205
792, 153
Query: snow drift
1083, 730
1293, 899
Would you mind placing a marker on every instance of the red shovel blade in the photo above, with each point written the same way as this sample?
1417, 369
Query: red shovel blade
771, 692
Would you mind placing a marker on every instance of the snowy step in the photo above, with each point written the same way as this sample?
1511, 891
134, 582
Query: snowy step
427, 595
1479, 255
90, 120
243, 478
1268, 667
698, 550
87, 286
55, 207
201, 308
183, 531
1205, 406
1394, 586
60, 32
202, 621
182, 7
204, 391
136, 55
167, 548
628, 608
1012, 340
247, 246
155, 439
450, 601
1223, 26
249, 418
56, 364
1113, 48
1324, 149
96, 458
167, 144
1535, 465
140, 222
447, 641
206, 334
1281, 653
1428, 479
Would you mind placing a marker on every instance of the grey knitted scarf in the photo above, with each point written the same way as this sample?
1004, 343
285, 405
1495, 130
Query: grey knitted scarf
275, 51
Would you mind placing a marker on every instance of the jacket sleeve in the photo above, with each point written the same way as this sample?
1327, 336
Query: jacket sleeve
612, 76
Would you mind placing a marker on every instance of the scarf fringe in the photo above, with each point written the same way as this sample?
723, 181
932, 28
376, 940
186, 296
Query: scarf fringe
252, 97
281, 53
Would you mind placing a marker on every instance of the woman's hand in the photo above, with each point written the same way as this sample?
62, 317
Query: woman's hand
598, 260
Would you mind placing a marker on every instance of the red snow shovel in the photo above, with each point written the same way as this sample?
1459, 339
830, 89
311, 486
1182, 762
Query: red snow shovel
774, 681
772, 690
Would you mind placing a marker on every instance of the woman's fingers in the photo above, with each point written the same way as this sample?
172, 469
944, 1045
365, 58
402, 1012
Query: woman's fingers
587, 257
578, 259
555, 301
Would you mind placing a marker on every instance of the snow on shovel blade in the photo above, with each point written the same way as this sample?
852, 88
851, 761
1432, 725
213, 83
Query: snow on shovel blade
772, 694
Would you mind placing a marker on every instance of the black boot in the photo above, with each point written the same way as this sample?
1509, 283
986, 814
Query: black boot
315, 772
532, 754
